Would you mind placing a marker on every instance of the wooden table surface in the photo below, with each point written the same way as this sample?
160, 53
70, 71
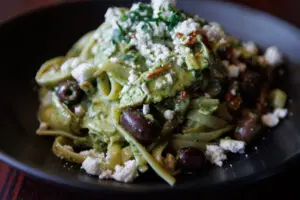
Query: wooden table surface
16, 185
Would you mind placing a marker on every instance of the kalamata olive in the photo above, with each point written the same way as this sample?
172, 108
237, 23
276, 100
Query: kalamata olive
224, 51
69, 92
190, 158
141, 128
250, 85
247, 127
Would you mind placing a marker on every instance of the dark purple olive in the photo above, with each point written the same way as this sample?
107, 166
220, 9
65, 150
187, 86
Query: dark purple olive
247, 127
190, 159
141, 128
69, 92
250, 85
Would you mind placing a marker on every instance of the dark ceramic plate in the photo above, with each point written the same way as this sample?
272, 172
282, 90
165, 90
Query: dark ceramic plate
29, 40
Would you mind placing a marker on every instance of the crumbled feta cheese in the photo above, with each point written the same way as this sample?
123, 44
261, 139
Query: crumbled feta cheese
213, 31
112, 15
83, 72
160, 83
91, 166
135, 6
270, 120
68, 147
114, 59
132, 77
158, 5
145, 88
110, 50
250, 47
169, 78
146, 109
94, 49
215, 154
273, 56
169, 114
107, 174
234, 146
153, 52
280, 112
79, 110
233, 92
233, 71
126, 173
187, 27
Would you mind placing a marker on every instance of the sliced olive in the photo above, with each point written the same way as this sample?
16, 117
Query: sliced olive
141, 128
190, 158
247, 127
69, 92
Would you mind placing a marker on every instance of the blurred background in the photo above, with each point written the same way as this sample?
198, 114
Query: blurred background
286, 9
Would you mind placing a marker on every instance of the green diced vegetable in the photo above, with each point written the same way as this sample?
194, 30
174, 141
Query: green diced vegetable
204, 136
205, 105
207, 120
278, 98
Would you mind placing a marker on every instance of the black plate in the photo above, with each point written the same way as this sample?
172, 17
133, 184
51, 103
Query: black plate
29, 40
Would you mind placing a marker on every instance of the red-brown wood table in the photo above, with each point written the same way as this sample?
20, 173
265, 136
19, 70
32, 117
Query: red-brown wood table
17, 185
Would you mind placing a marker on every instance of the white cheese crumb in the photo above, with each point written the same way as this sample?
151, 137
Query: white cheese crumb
187, 27
83, 72
215, 154
132, 77
94, 49
158, 5
160, 83
270, 120
233, 71
213, 31
234, 146
280, 112
250, 47
233, 92
79, 110
273, 56
146, 109
112, 15
114, 59
91, 166
145, 88
126, 173
169, 78
107, 174
169, 114
68, 147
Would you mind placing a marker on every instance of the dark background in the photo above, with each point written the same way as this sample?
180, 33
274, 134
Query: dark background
282, 186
